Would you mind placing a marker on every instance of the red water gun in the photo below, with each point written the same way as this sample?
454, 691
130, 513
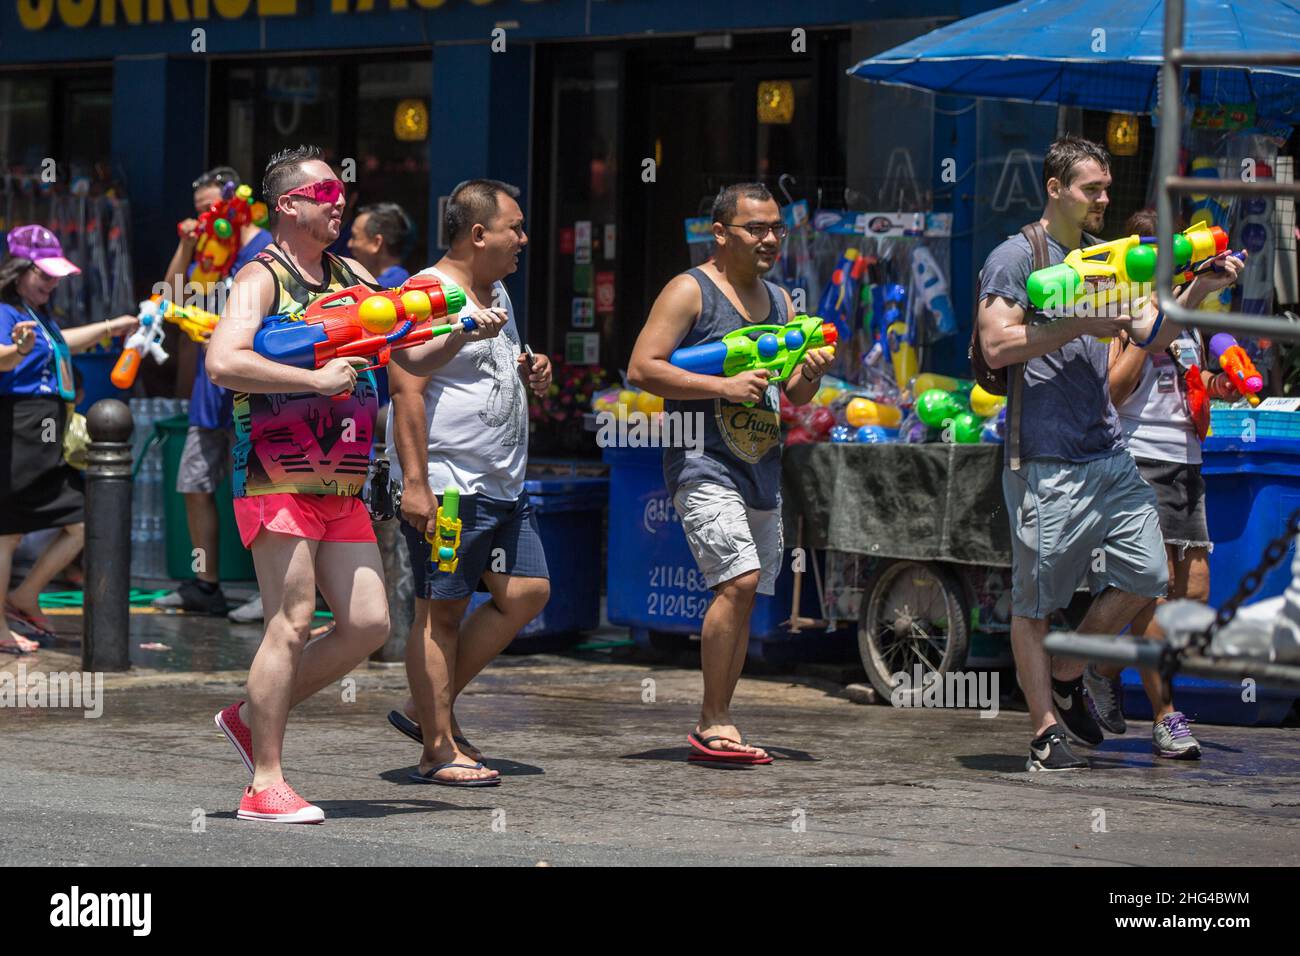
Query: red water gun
1236, 364
219, 232
360, 322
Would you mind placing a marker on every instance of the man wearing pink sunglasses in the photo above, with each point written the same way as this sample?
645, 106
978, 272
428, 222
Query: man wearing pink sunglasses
301, 458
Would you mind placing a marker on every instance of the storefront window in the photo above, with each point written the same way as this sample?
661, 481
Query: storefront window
348, 109
582, 291
393, 168
24, 123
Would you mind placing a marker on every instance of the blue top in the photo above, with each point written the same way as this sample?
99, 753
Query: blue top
1067, 410
47, 370
392, 277
209, 404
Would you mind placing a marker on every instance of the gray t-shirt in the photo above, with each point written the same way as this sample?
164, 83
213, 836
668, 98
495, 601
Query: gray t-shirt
1067, 411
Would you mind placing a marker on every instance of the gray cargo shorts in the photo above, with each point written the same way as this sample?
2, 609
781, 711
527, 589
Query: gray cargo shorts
205, 459
1077, 521
727, 537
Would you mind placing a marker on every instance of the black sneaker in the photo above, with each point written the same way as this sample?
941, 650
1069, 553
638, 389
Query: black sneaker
1051, 751
193, 597
1073, 712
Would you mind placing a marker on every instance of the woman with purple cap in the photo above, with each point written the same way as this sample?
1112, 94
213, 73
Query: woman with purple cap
39, 489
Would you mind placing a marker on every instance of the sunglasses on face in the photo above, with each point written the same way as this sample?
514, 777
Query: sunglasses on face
758, 230
325, 190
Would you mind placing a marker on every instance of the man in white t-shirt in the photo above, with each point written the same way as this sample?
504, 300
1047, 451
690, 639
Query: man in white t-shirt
466, 426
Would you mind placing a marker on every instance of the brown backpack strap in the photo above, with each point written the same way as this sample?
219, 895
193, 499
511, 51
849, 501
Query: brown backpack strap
1037, 238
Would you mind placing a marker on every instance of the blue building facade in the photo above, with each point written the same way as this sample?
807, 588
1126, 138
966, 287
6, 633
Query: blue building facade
569, 99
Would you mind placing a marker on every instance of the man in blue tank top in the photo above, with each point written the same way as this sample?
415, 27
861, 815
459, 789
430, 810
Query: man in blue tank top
728, 495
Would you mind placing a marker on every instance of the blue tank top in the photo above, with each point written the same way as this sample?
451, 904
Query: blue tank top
742, 445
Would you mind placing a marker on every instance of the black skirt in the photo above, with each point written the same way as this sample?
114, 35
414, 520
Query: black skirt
38, 489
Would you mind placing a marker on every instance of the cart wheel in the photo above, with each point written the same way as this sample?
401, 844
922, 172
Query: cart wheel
914, 613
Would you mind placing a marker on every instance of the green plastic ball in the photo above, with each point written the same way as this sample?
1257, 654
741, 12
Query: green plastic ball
966, 428
935, 406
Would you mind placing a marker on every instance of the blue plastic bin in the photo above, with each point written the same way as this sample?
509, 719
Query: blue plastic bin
569, 520
1251, 488
653, 584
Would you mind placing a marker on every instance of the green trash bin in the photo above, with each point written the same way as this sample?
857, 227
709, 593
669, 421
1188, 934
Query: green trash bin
235, 562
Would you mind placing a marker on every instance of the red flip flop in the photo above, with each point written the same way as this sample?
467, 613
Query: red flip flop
706, 753
37, 622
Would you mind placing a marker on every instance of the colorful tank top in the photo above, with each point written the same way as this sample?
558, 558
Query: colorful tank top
304, 443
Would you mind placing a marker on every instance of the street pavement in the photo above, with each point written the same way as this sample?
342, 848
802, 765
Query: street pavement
592, 751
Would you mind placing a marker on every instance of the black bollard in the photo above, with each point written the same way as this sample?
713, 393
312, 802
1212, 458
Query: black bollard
107, 561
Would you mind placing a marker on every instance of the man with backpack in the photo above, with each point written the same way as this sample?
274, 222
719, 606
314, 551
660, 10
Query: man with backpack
1078, 506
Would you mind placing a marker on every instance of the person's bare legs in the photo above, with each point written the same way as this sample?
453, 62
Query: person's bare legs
724, 640
346, 574
201, 517
60, 553
1033, 669
287, 579
487, 632
1189, 577
431, 653
9, 637
1111, 611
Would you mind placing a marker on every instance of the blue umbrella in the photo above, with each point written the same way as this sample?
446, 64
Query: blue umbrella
1103, 55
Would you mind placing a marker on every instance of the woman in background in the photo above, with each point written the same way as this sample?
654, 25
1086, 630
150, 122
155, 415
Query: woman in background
38, 487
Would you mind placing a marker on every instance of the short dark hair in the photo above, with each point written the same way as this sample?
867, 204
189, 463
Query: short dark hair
390, 222
283, 173
217, 176
1066, 153
472, 203
10, 272
728, 198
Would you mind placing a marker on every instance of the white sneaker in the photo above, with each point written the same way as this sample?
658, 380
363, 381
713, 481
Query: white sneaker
249, 612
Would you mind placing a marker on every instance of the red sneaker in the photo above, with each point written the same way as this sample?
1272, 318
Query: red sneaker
238, 733
278, 804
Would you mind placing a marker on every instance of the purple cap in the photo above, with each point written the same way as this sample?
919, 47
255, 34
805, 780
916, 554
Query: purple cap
42, 247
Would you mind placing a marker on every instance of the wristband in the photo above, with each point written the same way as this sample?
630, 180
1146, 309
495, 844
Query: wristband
1155, 330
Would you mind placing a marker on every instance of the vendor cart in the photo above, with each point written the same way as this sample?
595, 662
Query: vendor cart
917, 551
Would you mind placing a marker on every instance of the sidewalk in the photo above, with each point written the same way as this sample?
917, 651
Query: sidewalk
594, 775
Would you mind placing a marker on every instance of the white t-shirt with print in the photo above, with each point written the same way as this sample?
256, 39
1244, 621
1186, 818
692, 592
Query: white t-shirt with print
1155, 419
477, 412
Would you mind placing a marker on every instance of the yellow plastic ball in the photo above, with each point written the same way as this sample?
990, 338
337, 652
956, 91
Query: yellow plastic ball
649, 404
825, 395
863, 411
417, 305
983, 404
627, 397
377, 314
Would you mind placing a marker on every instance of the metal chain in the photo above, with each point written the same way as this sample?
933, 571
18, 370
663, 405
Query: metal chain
1273, 555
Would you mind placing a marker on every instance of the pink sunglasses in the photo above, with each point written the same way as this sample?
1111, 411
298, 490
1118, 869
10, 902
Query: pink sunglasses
325, 190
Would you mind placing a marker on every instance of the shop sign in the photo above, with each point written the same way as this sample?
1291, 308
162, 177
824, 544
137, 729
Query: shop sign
584, 312
39, 14
605, 293
582, 348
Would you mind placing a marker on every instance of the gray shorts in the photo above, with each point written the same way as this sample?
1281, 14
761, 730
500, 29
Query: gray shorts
727, 537
205, 460
1071, 522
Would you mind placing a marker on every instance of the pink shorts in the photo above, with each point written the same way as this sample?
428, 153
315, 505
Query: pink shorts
317, 517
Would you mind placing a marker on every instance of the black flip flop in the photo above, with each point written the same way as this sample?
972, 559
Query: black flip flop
409, 727
431, 776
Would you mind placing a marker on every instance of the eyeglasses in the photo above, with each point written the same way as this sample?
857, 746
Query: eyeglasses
759, 230
325, 190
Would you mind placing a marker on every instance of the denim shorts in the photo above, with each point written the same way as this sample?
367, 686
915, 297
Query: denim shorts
495, 535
